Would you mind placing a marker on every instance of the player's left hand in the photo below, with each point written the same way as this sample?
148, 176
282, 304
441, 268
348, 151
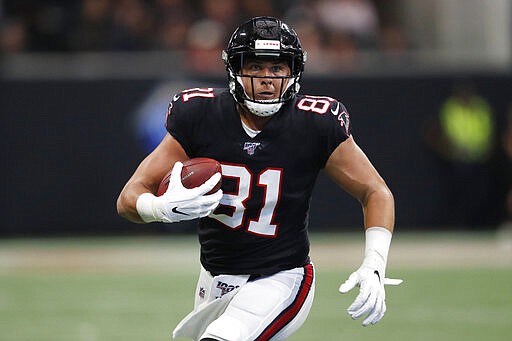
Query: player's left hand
371, 300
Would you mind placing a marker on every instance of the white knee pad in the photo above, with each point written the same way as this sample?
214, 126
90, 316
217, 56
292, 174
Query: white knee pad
226, 328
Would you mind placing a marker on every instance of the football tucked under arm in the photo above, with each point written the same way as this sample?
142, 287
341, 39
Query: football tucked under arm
188, 193
195, 172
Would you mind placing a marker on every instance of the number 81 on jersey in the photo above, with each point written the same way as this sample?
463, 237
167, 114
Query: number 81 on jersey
270, 180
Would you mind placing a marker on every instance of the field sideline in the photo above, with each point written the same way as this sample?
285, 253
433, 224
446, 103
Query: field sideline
457, 287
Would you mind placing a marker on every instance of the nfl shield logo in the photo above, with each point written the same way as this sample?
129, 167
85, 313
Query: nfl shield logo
250, 147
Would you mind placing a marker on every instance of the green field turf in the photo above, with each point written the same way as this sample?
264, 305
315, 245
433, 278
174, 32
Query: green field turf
115, 301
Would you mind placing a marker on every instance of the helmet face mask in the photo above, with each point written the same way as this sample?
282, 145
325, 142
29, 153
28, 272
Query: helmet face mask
266, 39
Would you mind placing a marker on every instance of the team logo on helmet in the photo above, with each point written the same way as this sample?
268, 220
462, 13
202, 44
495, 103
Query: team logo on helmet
266, 28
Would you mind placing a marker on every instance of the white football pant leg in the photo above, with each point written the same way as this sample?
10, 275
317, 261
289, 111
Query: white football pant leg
268, 308
213, 294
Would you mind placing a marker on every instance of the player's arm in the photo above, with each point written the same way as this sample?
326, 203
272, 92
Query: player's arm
138, 203
349, 167
148, 175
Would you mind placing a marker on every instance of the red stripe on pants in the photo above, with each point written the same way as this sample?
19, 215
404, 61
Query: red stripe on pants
293, 309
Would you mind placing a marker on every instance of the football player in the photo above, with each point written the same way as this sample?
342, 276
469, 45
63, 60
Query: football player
257, 281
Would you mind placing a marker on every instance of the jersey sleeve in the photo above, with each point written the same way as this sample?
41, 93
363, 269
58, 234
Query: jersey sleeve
337, 127
180, 120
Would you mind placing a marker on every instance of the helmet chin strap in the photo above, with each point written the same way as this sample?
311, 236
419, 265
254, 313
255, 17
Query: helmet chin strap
264, 108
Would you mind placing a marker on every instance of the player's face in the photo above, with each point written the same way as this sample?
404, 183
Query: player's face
268, 78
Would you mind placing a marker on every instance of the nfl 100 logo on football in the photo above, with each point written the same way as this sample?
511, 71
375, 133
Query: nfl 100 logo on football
250, 147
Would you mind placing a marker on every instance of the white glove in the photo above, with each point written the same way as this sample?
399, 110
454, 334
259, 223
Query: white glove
370, 278
179, 203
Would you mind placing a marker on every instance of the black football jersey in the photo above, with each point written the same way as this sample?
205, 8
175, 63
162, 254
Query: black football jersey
261, 224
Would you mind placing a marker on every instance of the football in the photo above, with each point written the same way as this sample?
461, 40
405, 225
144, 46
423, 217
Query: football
194, 173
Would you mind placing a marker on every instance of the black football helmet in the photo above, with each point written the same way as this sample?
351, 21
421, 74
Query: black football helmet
264, 37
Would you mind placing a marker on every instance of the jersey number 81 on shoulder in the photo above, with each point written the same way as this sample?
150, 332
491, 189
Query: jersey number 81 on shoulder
317, 104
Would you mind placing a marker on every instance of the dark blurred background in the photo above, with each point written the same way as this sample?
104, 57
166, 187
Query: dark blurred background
84, 87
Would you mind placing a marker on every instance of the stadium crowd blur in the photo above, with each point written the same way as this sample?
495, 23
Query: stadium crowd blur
339, 29
335, 33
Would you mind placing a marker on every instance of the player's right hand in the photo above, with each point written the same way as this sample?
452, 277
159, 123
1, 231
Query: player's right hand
179, 203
